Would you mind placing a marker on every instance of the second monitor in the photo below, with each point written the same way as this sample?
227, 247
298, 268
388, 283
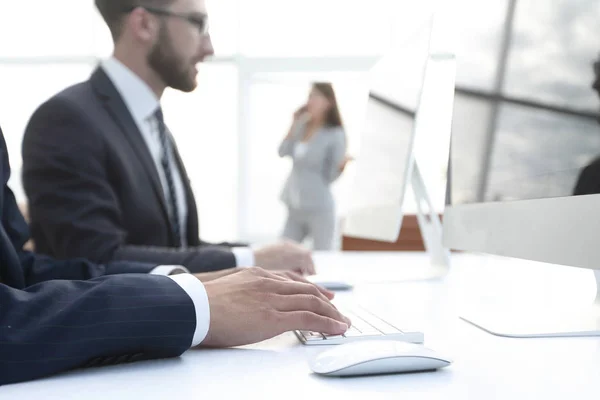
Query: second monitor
387, 167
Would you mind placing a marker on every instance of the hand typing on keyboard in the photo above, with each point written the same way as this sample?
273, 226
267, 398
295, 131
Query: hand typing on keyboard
253, 305
365, 325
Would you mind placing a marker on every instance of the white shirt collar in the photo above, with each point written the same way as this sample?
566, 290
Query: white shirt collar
137, 95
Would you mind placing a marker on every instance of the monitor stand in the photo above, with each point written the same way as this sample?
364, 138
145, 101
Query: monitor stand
542, 323
429, 224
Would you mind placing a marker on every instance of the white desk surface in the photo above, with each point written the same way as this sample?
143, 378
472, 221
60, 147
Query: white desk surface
485, 366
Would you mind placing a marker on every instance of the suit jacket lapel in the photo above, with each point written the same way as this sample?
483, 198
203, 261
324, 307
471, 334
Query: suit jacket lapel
120, 113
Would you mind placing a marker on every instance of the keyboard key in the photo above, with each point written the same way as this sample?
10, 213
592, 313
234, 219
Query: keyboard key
353, 332
363, 327
311, 336
376, 322
331, 337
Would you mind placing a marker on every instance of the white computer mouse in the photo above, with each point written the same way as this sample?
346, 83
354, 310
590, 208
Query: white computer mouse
369, 357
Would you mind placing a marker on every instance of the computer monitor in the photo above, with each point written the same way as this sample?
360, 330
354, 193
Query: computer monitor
529, 189
386, 166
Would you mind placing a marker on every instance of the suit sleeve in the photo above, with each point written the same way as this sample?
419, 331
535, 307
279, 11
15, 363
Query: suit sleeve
59, 325
200, 259
39, 268
286, 148
225, 244
72, 202
335, 156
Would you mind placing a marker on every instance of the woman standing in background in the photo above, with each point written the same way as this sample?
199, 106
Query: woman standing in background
316, 142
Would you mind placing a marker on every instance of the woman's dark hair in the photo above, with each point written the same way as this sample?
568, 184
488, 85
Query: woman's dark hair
333, 117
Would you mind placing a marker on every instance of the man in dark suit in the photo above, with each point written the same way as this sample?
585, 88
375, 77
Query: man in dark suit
60, 315
100, 168
589, 179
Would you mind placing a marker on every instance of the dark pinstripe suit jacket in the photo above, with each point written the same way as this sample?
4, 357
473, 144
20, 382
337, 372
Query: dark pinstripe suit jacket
60, 315
94, 190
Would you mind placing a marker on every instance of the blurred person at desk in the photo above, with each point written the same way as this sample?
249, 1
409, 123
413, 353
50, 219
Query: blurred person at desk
589, 179
316, 142
56, 316
101, 170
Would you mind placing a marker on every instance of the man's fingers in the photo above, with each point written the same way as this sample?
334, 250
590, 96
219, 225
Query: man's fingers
289, 287
299, 278
309, 321
303, 302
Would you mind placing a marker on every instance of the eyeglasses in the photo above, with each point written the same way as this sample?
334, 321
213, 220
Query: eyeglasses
200, 21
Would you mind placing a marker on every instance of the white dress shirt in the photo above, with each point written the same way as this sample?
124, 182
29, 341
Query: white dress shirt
142, 104
195, 289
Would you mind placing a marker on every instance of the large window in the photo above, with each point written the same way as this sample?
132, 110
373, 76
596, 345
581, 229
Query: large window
39, 28
312, 28
533, 127
551, 52
267, 53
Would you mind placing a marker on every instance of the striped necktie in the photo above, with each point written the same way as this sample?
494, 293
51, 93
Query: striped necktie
166, 158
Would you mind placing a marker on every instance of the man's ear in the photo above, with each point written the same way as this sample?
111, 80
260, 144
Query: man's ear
142, 24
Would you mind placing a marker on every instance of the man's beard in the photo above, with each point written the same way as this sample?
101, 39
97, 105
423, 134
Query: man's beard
164, 62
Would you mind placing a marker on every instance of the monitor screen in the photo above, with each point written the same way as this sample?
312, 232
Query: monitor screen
524, 180
386, 163
533, 131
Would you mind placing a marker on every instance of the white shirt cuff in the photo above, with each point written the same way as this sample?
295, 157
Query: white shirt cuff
169, 270
244, 256
195, 289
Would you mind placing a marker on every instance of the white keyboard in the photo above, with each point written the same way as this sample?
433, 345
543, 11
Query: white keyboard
365, 326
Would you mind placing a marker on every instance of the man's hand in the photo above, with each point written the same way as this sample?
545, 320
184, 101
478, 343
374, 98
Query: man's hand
254, 305
211, 276
299, 278
293, 276
287, 256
